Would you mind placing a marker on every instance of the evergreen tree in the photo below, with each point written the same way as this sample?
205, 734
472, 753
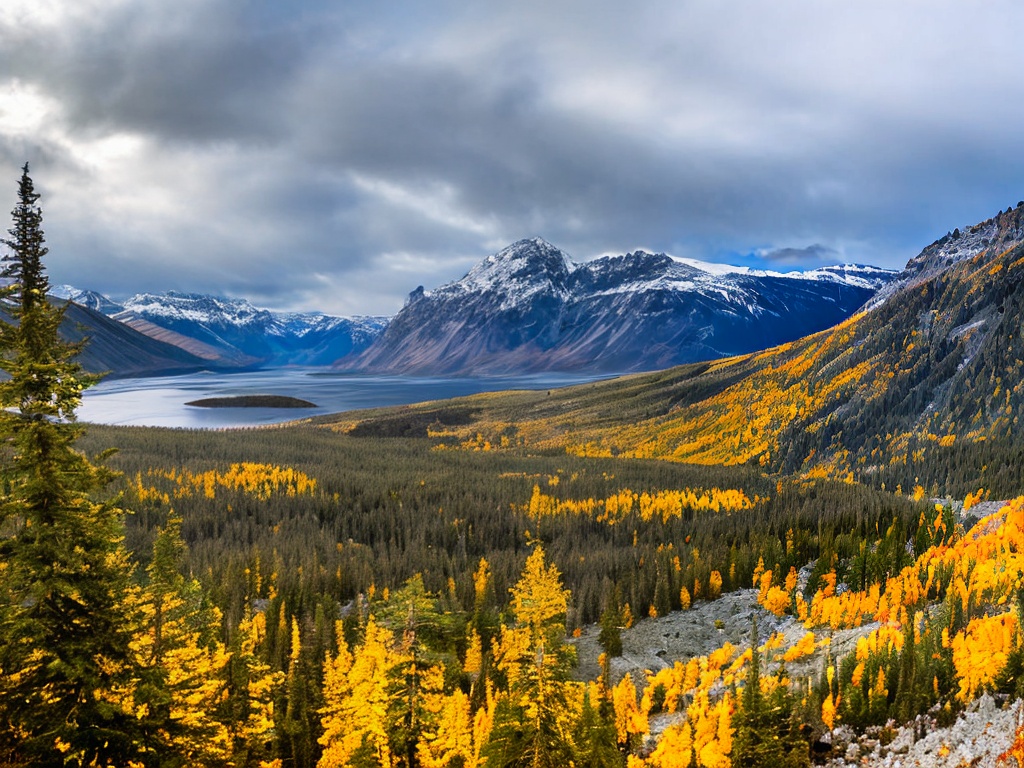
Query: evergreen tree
766, 733
185, 665
595, 736
612, 622
908, 696
65, 660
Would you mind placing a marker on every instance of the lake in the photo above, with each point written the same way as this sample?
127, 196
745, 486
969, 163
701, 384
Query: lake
160, 401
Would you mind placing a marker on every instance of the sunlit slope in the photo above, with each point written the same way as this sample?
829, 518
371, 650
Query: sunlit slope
937, 362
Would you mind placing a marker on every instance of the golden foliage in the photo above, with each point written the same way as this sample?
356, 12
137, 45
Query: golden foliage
662, 505
356, 698
804, 647
979, 568
258, 480
538, 597
776, 600
980, 652
630, 719
684, 599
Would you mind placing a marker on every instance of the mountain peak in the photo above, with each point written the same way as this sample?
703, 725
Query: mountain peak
529, 307
525, 258
516, 273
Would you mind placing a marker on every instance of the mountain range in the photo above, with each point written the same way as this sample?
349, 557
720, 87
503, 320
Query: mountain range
232, 333
925, 385
530, 308
527, 308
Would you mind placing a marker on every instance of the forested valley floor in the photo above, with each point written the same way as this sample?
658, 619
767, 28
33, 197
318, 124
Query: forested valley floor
410, 604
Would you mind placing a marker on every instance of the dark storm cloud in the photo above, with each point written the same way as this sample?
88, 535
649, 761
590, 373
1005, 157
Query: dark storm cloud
337, 155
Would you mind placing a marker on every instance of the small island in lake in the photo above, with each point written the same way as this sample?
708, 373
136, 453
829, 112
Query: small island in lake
252, 401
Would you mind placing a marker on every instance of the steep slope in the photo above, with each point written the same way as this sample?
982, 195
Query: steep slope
120, 351
529, 308
925, 387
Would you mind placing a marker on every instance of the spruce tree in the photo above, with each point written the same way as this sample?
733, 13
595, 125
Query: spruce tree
766, 734
65, 660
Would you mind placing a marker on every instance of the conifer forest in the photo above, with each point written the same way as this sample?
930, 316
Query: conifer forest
411, 586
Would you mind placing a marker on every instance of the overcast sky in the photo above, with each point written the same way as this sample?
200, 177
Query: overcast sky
335, 155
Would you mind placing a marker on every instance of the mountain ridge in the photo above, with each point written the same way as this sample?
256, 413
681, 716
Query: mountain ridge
526, 308
233, 332
529, 307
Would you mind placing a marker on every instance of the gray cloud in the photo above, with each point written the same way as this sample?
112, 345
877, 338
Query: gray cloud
812, 255
335, 156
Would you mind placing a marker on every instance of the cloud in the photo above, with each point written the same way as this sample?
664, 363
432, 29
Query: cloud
334, 156
816, 255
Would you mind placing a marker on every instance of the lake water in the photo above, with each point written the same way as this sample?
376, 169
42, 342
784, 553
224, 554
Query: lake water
160, 401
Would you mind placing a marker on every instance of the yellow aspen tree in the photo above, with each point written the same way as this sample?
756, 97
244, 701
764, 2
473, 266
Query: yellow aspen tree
538, 598
533, 721
355, 714
675, 748
714, 585
483, 724
473, 664
254, 686
185, 664
450, 741
684, 599
630, 720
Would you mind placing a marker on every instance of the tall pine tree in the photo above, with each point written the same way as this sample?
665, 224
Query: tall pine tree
65, 660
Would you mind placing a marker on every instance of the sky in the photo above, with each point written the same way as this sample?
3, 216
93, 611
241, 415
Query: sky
333, 156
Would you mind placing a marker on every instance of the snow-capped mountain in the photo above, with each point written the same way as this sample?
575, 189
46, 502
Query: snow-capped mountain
530, 308
113, 348
241, 331
234, 332
90, 299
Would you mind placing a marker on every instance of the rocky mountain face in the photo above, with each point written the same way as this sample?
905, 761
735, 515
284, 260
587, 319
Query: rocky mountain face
233, 332
529, 308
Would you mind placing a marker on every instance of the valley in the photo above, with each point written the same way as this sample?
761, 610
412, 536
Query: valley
806, 552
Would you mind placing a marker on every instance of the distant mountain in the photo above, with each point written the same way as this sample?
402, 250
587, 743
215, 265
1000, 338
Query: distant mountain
233, 332
242, 332
120, 351
530, 308
923, 388
90, 299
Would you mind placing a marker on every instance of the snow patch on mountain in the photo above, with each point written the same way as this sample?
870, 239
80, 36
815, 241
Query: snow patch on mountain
197, 308
530, 267
531, 307
516, 273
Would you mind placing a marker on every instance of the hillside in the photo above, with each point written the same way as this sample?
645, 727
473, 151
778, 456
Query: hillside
121, 351
530, 308
875, 605
925, 383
